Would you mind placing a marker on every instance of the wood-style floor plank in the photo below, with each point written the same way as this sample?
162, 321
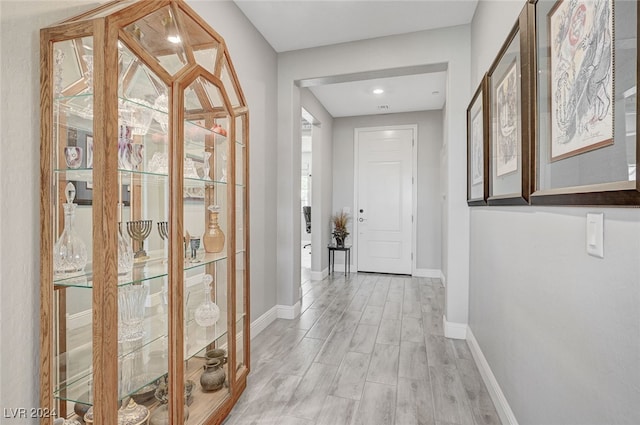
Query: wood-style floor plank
367, 349
309, 318
440, 351
298, 360
379, 295
377, 406
413, 361
364, 338
392, 310
351, 376
309, 396
414, 404
383, 367
389, 332
371, 315
450, 400
337, 411
412, 329
270, 403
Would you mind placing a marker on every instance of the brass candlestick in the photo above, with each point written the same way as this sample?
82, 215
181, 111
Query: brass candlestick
139, 230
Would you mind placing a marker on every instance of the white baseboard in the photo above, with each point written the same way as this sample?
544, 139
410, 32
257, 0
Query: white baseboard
81, 319
499, 400
275, 312
320, 275
432, 273
288, 311
263, 321
454, 330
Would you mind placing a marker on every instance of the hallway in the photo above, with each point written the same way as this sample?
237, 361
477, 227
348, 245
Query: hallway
367, 350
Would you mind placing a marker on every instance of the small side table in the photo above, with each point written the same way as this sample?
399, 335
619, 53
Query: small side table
332, 257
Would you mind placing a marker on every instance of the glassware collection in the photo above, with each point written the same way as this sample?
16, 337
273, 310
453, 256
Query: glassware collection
207, 313
70, 251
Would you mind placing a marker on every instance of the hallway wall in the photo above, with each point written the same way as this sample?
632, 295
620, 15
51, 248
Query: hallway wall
447, 45
429, 143
255, 62
559, 329
20, 22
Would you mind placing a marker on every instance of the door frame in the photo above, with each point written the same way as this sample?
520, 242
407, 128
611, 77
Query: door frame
414, 186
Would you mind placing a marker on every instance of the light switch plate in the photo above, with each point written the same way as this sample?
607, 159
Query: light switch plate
595, 234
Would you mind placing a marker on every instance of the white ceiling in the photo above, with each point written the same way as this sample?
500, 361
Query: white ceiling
409, 93
301, 24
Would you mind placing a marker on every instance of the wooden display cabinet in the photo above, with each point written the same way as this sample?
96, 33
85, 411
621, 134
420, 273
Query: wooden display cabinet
141, 110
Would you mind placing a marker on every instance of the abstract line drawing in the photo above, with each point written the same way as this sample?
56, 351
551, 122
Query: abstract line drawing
508, 123
581, 76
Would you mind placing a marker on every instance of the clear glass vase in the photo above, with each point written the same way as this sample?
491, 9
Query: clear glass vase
69, 252
131, 308
125, 253
207, 313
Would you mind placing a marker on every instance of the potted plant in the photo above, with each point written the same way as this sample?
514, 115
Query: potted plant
340, 233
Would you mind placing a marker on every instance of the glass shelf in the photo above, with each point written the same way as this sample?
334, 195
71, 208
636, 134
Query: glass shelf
77, 105
240, 316
198, 337
151, 269
148, 358
150, 363
86, 175
81, 106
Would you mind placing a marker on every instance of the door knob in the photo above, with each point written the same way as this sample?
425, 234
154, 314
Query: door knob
361, 219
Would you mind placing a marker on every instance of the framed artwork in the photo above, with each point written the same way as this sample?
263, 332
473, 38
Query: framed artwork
508, 122
477, 149
584, 144
509, 94
581, 74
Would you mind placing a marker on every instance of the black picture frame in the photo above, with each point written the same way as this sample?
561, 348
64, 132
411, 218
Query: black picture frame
478, 145
605, 173
511, 187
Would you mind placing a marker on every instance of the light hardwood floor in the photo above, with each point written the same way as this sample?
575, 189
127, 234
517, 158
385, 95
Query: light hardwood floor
367, 349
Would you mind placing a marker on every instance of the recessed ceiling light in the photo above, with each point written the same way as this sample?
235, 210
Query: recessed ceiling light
378, 91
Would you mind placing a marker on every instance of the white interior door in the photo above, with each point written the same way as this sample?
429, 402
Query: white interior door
384, 200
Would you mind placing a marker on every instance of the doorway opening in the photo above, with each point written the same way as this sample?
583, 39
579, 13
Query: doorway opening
306, 195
